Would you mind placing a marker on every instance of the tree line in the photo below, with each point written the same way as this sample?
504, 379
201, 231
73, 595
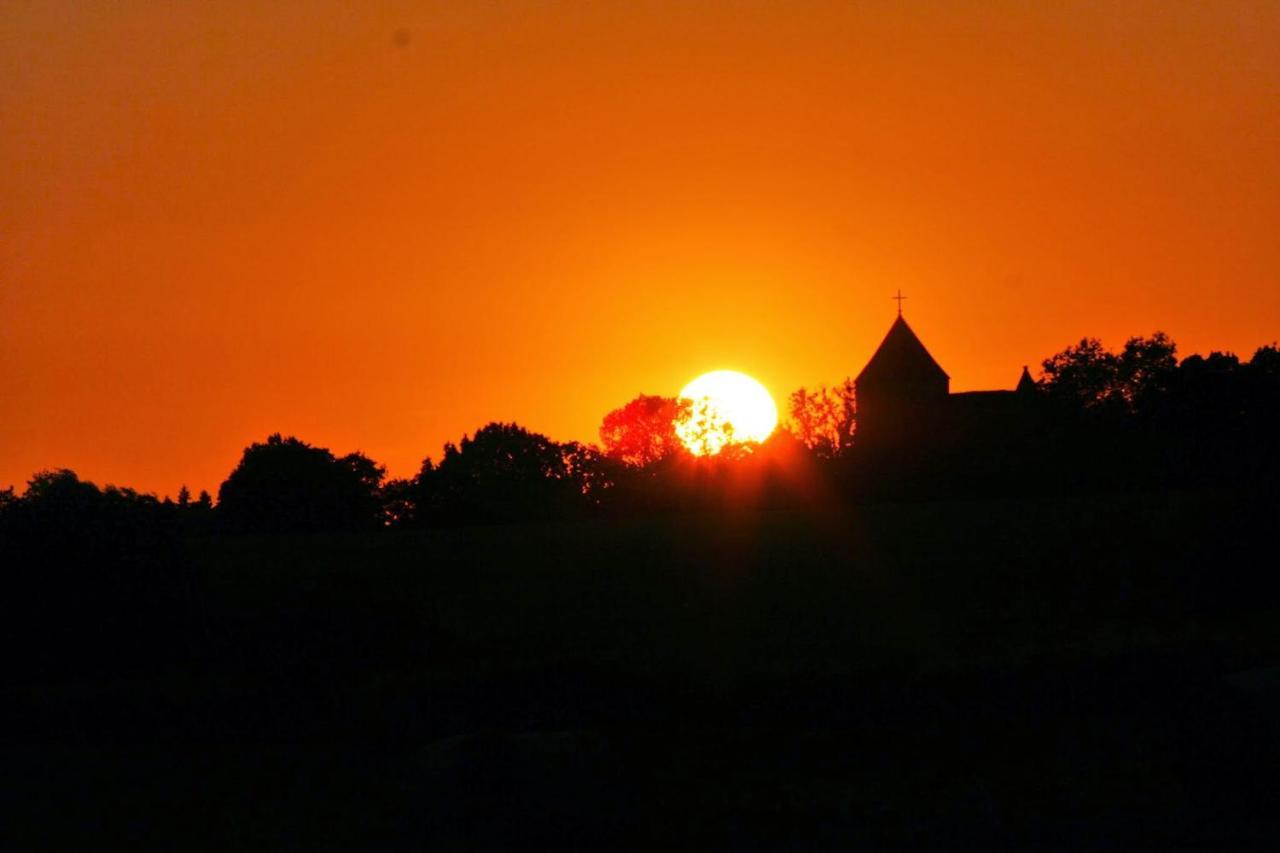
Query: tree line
1136, 417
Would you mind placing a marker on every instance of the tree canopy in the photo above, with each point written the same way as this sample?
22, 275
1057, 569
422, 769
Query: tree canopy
1096, 378
824, 420
285, 484
644, 430
502, 472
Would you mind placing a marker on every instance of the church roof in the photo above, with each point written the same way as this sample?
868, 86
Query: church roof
1026, 385
901, 358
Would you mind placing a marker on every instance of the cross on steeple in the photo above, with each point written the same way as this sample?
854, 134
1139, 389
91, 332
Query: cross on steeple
899, 298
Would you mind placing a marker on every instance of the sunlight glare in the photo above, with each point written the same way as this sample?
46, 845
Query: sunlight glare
726, 407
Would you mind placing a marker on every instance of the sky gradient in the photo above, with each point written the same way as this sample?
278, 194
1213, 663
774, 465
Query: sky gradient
378, 226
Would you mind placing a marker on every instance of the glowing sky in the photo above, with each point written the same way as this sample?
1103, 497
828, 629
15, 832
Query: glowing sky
379, 225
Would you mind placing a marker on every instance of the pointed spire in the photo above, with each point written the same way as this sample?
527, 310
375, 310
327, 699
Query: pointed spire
1026, 385
901, 358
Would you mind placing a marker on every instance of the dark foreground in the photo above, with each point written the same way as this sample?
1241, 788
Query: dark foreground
1065, 674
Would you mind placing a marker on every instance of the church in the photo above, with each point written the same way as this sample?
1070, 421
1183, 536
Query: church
904, 396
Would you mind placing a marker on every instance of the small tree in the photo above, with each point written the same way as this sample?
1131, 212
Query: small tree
825, 420
1146, 368
643, 431
703, 429
399, 502
592, 474
1266, 361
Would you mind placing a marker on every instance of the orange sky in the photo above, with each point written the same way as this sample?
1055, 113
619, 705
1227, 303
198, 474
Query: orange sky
219, 220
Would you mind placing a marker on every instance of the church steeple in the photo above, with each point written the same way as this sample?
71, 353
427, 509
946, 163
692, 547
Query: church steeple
901, 389
1026, 385
901, 359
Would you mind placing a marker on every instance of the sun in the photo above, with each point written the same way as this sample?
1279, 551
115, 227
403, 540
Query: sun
725, 407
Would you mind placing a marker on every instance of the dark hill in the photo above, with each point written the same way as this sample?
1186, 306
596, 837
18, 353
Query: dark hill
1044, 673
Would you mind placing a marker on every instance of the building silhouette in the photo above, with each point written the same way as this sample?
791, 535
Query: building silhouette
904, 397
902, 391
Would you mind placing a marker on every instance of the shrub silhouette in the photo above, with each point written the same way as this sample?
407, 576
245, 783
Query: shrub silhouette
824, 420
503, 473
91, 575
1097, 379
286, 485
643, 431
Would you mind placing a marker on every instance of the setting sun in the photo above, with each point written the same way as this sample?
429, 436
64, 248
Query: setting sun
726, 407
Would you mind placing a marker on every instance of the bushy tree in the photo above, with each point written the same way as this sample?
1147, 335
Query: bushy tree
1145, 369
59, 494
1262, 374
824, 420
286, 485
399, 501
91, 578
1084, 373
593, 475
1090, 375
1266, 362
503, 473
705, 431
643, 431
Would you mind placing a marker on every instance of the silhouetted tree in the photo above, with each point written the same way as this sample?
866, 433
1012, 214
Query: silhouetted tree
287, 485
1206, 388
59, 500
195, 517
703, 430
502, 473
1266, 361
643, 431
399, 502
1263, 376
1145, 369
593, 474
1097, 379
98, 580
1083, 374
1262, 383
824, 420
